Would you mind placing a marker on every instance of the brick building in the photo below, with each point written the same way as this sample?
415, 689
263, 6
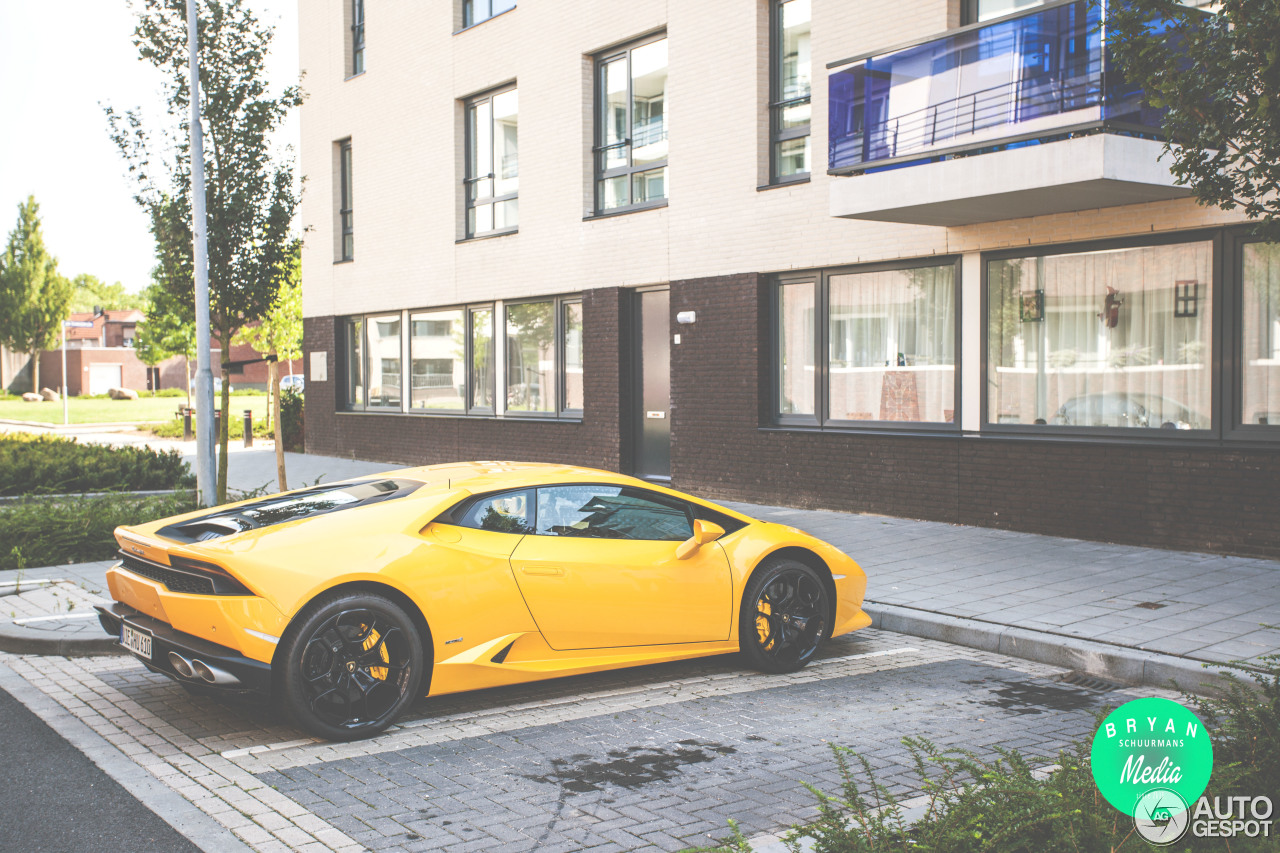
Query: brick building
918, 258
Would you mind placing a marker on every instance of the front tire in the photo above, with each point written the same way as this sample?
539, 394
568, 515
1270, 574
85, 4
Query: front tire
354, 663
784, 616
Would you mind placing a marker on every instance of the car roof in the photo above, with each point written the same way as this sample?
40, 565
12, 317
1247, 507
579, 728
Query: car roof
484, 476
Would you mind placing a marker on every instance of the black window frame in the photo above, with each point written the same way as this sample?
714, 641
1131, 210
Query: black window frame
558, 331
820, 420
367, 361
1234, 360
1219, 363
778, 104
598, 172
357, 38
469, 168
346, 218
469, 8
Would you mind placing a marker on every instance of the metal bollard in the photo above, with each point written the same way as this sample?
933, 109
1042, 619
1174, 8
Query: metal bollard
187, 433
248, 427
217, 425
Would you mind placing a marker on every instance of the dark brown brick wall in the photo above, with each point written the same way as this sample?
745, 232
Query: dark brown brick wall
428, 439
1210, 497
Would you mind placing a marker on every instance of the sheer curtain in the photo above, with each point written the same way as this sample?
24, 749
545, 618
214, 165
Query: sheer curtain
891, 345
1260, 358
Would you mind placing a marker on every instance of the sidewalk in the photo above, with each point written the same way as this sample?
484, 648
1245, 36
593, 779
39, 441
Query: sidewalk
1137, 615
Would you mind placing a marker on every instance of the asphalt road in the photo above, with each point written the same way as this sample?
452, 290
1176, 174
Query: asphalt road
53, 798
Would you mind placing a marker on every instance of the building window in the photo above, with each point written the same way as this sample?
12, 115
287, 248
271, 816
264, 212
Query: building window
531, 377
789, 107
437, 355
1097, 340
357, 37
976, 11
631, 127
571, 376
355, 363
346, 226
1260, 334
493, 164
481, 343
475, 11
867, 347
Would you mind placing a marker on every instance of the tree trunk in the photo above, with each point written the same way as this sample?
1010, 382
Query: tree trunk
35, 372
273, 371
224, 434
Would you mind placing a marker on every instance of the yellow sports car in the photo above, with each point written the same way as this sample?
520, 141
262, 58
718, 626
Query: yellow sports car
346, 601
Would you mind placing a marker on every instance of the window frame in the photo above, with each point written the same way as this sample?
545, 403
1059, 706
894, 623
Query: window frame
357, 39
558, 412
469, 19
820, 420
1234, 361
469, 407
562, 358
598, 147
1214, 363
777, 104
469, 175
346, 203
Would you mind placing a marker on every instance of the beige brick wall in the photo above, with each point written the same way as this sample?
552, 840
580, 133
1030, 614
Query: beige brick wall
404, 119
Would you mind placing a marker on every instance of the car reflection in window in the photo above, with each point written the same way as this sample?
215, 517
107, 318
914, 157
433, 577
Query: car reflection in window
505, 513
603, 512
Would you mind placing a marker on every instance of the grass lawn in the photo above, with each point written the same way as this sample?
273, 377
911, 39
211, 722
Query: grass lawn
116, 411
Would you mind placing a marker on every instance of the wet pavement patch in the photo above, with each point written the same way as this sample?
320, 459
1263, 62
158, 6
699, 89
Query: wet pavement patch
629, 768
1030, 697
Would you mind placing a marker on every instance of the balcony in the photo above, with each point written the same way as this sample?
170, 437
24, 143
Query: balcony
1022, 116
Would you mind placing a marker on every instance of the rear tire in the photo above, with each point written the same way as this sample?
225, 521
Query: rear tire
352, 666
784, 616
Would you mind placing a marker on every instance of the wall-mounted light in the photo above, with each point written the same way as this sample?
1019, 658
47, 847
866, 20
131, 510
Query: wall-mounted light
684, 318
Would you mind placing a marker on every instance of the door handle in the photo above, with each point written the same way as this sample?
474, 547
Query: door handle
548, 571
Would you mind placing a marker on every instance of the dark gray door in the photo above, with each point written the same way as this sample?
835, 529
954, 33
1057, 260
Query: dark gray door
653, 384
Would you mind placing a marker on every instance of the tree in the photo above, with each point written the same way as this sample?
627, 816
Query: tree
33, 295
1218, 75
92, 292
169, 330
251, 196
279, 338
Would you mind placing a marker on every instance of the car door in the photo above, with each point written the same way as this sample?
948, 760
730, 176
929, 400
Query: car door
601, 571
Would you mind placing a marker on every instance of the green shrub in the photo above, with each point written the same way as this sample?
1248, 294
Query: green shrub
167, 392
47, 532
292, 420
1002, 805
44, 465
173, 428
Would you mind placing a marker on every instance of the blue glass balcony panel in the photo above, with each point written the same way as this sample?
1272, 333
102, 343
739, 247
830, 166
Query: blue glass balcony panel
1027, 76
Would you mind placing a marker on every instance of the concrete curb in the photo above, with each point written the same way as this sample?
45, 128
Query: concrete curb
109, 426
1103, 660
20, 640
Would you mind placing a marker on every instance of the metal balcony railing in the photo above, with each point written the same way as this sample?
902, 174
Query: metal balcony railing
1023, 78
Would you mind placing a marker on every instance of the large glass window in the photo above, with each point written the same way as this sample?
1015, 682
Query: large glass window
854, 347
1117, 338
531, 377
481, 359
891, 345
789, 107
437, 356
355, 362
383, 335
346, 225
493, 164
572, 373
631, 128
611, 512
797, 368
1260, 334
475, 11
975, 11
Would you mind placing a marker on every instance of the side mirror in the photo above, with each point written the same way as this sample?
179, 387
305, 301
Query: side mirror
703, 532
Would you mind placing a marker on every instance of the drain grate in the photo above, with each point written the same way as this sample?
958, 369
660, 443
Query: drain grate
1083, 680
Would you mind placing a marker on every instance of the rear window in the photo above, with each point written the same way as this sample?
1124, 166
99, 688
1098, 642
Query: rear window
319, 500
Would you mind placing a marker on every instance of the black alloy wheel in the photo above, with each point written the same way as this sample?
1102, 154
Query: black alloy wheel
352, 666
784, 619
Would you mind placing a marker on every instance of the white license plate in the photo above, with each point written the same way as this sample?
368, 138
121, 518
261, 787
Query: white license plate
136, 641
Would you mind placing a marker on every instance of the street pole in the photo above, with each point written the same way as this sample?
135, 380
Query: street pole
206, 467
66, 411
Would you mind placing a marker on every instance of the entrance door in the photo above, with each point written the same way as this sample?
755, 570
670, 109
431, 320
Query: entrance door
653, 384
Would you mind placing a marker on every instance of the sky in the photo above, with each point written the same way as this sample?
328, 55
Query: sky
60, 63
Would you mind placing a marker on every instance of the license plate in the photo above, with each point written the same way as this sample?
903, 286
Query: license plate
136, 641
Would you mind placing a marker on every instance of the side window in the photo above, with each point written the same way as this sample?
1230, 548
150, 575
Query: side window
611, 512
508, 512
